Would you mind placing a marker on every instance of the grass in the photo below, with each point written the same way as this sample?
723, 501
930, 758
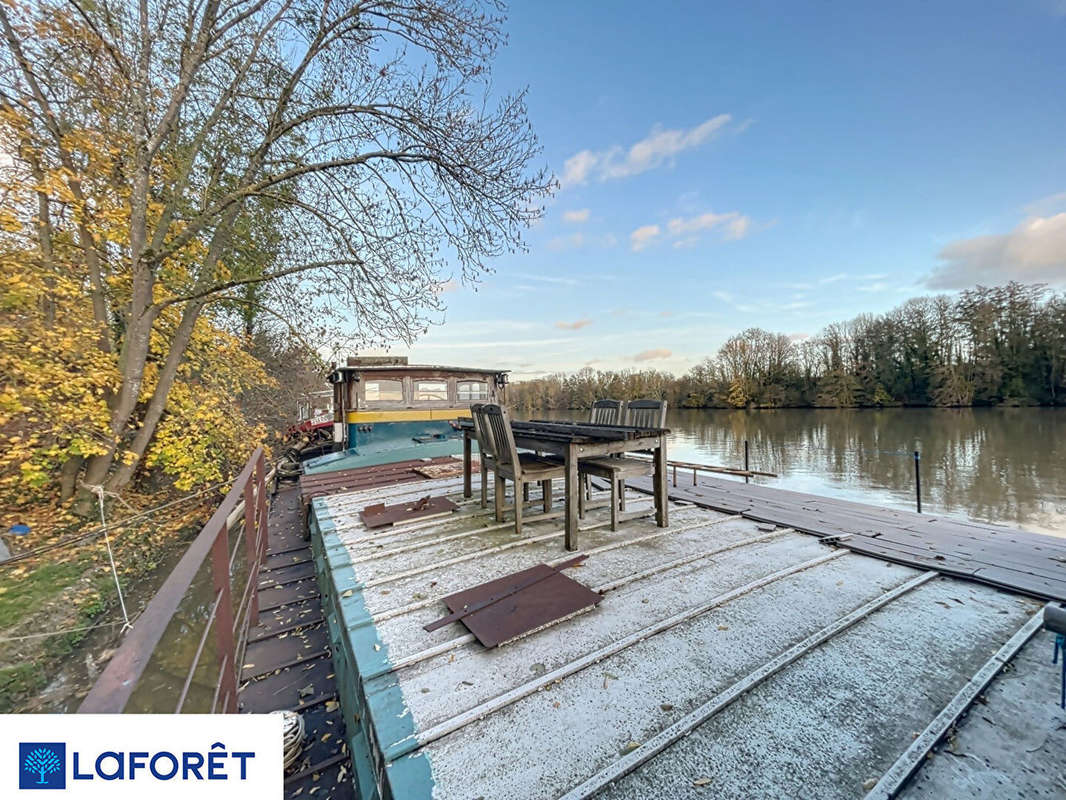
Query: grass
19, 594
18, 682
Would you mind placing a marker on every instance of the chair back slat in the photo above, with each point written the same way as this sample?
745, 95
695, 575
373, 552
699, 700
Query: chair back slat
482, 432
498, 423
646, 413
606, 412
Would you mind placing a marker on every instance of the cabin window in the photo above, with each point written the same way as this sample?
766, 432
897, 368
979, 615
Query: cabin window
431, 390
473, 390
387, 391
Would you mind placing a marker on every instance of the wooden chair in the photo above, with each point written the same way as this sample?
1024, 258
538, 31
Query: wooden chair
645, 414
486, 455
509, 464
607, 412
603, 412
638, 414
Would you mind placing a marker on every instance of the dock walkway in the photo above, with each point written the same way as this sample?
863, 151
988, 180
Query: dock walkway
1030, 563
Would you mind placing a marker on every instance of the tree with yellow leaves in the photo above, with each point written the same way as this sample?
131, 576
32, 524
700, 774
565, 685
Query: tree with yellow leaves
172, 166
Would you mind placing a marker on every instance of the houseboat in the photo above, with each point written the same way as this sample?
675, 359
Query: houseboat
387, 410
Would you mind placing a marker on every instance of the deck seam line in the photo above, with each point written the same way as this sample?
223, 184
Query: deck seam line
449, 726
725, 698
459, 641
912, 758
478, 553
398, 529
407, 609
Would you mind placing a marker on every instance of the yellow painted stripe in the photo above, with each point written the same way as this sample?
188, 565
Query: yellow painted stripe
408, 415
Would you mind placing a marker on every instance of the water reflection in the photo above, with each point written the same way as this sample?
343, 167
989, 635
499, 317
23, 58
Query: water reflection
1000, 465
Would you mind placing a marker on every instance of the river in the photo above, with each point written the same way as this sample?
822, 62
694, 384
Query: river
1005, 465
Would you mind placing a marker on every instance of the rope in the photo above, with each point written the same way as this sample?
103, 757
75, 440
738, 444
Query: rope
59, 633
99, 490
72, 540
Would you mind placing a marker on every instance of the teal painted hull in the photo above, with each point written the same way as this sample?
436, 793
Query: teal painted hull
389, 442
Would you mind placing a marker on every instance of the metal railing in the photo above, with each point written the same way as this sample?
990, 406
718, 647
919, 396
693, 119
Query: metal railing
247, 501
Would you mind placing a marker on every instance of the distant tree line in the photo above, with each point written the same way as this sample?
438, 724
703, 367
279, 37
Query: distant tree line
1002, 345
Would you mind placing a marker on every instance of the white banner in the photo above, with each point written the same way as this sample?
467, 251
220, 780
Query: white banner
157, 756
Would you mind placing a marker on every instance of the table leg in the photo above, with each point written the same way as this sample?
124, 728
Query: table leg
467, 491
572, 489
661, 496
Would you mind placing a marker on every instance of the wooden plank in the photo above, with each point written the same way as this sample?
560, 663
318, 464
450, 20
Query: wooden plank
1010, 559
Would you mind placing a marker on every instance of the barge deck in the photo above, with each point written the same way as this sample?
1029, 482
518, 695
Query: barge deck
729, 654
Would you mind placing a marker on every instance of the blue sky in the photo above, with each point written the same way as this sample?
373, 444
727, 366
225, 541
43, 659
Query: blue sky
782, 165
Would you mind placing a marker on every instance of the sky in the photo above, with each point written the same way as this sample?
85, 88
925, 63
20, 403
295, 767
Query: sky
781, 165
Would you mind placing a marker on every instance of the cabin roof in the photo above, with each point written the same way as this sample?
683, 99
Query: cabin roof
419, 368
726, 655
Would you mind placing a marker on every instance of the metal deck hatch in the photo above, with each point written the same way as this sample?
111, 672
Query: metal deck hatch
518, 604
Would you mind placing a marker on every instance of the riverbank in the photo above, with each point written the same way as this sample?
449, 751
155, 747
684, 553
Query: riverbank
60, 615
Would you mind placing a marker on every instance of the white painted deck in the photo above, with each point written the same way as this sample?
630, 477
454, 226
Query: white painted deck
725, 660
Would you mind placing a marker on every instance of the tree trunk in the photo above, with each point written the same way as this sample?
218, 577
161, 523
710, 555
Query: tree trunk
68, 477
158, 403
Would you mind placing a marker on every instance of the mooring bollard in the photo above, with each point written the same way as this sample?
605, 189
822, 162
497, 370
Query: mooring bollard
745, 459
917, 481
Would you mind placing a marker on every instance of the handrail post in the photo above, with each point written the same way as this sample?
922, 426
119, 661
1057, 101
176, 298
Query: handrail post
227, 653
251, 546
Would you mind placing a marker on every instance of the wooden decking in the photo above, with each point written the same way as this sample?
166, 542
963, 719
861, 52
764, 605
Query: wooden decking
1030, 563
288, 663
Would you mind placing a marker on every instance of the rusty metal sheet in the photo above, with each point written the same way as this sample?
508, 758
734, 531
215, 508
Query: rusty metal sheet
361, 478
525, 601
379, 514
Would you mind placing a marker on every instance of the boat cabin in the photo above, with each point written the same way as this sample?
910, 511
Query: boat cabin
382, 405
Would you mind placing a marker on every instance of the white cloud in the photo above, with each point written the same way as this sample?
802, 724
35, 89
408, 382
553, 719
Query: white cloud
450, 285
1034, 252
651, 355
657, 148
576, 240
1046, 206
576, 325
644, 236
739, 227
686, 230
577, 216
847, 276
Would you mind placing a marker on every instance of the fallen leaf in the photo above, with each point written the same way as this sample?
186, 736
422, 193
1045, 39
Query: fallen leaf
332, 705
630, 747
667, 707
701, 781
723, 627
348, 593
869, 784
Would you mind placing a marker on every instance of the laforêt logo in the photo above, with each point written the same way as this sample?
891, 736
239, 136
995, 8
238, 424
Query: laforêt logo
42, 765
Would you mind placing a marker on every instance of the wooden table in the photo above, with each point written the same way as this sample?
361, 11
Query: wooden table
573, 441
